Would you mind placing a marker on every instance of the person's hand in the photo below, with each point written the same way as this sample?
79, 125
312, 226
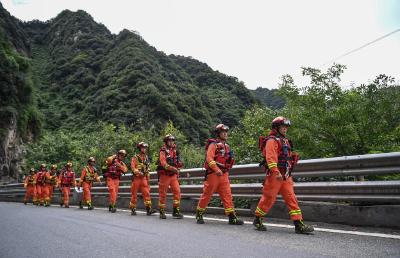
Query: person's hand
279, 176
219, 173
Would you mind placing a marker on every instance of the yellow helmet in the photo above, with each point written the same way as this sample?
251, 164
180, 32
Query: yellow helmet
69, 164
54, 166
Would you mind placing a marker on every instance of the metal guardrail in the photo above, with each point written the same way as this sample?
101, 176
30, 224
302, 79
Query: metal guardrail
241, 175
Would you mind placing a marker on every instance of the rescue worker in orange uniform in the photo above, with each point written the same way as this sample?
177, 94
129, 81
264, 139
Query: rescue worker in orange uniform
279, 162
169, 165
67, 180
140, 165
40, 184
29, 184
88, 176
50, 182
219, 160
115, 167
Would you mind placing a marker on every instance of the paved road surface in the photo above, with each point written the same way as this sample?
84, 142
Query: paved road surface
30, 231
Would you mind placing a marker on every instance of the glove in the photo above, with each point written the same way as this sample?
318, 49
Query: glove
295, 158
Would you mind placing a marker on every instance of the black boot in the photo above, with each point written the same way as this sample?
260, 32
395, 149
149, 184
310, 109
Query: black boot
199, 217
133, 211
90, 206
46, 204
258, 223
109, 208
233, 220
301, 228
113, 209
61, 204
80, 205
177, 214
162, 214
149, 210
25, 203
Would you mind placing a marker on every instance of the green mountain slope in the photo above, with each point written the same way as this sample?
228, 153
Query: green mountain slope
86, 74
269, 98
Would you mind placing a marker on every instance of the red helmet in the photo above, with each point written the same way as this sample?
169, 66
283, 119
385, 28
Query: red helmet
221, 127
280, 120
142, 145
169, 137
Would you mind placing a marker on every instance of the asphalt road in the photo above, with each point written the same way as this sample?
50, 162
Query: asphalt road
30, 231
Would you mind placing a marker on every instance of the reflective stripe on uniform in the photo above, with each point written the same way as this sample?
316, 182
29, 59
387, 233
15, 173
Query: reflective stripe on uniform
212, 163
272, 165
259, 211
295, 212
229, 210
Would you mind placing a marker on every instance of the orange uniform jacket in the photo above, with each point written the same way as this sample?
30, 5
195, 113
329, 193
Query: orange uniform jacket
48, 176
271, 152
122, 166
163, 160
212, 148
84, 172
73, 182
27, 179
134, 163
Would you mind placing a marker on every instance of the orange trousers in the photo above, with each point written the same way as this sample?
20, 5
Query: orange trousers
113, 188
273, 186
222, 186
40, 193
164, 183
140, 183
87, 196
66, 190
30, 192
48, 192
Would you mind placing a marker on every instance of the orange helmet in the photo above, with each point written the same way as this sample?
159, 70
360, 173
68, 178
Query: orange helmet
280, 120
169, 137
53, 166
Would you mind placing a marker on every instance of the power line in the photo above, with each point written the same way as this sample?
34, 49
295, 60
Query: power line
363, 46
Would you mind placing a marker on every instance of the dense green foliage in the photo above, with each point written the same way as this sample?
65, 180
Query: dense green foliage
331, 121
16, 91
328, 120
86, 75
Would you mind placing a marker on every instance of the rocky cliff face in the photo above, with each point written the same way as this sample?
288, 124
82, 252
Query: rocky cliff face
18, 112
11, 152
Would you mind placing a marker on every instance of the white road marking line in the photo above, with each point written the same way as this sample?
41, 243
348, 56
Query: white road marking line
337, 231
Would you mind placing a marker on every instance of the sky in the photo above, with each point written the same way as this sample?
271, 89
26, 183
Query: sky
256, 41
